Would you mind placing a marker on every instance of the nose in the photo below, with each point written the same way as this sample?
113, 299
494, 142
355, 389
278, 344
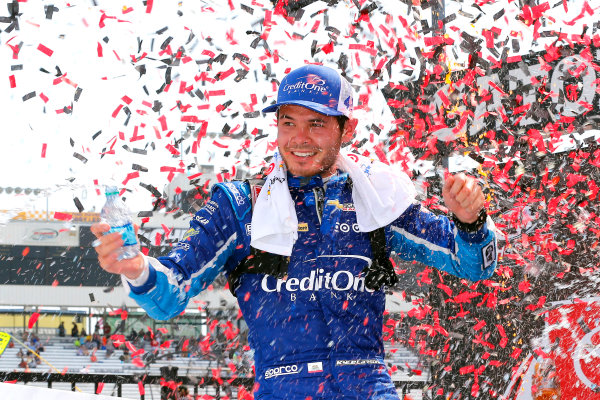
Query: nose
301, 136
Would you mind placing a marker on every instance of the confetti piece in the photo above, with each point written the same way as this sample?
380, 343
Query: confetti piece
45, 50
149, 5
32, 320
63, 216
28, 96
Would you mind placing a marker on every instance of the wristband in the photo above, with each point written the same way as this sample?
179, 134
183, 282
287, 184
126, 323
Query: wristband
471, 227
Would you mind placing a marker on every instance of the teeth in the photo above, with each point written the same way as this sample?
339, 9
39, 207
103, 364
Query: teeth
303, 154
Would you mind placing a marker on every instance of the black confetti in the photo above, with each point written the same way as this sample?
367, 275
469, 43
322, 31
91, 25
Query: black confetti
151, 189
249, 10
499, 14
80, 157
140, 168
50, 10
29, 96
78, 204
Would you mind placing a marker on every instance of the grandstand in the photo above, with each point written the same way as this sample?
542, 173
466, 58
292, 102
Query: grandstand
62, 354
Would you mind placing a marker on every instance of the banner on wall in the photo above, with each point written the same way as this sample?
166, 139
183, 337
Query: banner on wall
573, 335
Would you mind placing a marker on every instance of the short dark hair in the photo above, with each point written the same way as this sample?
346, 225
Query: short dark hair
341, 120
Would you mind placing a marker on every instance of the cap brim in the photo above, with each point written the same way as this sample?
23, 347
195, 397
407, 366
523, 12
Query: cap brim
320, 108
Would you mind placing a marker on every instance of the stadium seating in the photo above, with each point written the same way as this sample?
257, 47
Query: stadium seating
62, 354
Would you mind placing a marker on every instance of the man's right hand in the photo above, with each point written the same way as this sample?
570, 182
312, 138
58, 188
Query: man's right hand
108, 250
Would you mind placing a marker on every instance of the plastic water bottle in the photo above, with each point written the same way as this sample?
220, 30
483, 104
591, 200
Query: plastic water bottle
116, 214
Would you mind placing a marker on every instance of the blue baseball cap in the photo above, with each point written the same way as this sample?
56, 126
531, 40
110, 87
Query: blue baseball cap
317, 88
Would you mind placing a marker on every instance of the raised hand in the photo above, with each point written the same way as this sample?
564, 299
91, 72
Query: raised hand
107, 247
463, 197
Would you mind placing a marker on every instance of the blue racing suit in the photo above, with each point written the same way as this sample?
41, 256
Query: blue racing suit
317, 333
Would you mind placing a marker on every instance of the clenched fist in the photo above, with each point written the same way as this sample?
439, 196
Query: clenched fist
107, 247
463, 197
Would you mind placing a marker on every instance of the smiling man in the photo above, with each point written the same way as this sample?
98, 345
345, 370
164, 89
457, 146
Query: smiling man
306, 251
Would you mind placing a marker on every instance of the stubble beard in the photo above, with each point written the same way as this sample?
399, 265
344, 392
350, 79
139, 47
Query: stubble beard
327, 163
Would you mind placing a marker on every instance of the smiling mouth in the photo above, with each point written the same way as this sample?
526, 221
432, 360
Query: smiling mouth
303, 153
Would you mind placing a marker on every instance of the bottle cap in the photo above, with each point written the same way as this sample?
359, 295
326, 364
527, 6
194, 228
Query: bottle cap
111, 191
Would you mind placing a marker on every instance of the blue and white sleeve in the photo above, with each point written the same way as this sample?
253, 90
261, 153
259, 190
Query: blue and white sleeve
434, 240
213, 244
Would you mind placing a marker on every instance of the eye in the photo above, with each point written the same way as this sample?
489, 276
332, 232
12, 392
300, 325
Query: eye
318, 125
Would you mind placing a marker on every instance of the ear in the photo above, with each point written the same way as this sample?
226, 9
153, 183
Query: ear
349, 128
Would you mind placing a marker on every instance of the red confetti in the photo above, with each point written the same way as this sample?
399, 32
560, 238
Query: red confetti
45, 50
13, 83
100, 387
479, 325
63, 216
163, 123
118, 340
137, 362
44, 146
33, 319
525, 286
222, 146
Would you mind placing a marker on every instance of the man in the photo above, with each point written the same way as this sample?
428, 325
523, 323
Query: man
301, 261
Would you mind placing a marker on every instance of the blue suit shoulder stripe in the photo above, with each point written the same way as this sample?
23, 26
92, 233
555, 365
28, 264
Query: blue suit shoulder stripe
238, 193
420, 241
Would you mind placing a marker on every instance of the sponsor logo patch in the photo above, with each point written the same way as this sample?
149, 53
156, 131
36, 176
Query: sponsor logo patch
348, 207
489, 254
315, 367
303, 227
202, 220
239, 197
341, 363
248, 229
190, 232
339, 281
284, 370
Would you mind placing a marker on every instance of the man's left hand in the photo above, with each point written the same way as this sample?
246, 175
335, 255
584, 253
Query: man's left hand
463, 197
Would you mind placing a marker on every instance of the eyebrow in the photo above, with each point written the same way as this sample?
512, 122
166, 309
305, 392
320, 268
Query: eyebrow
282, 116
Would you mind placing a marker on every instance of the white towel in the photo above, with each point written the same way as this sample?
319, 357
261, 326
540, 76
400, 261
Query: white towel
381, 193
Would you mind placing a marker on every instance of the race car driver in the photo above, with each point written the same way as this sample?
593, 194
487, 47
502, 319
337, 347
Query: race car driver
299, 259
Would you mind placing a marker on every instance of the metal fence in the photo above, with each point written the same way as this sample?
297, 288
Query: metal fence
119, 380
